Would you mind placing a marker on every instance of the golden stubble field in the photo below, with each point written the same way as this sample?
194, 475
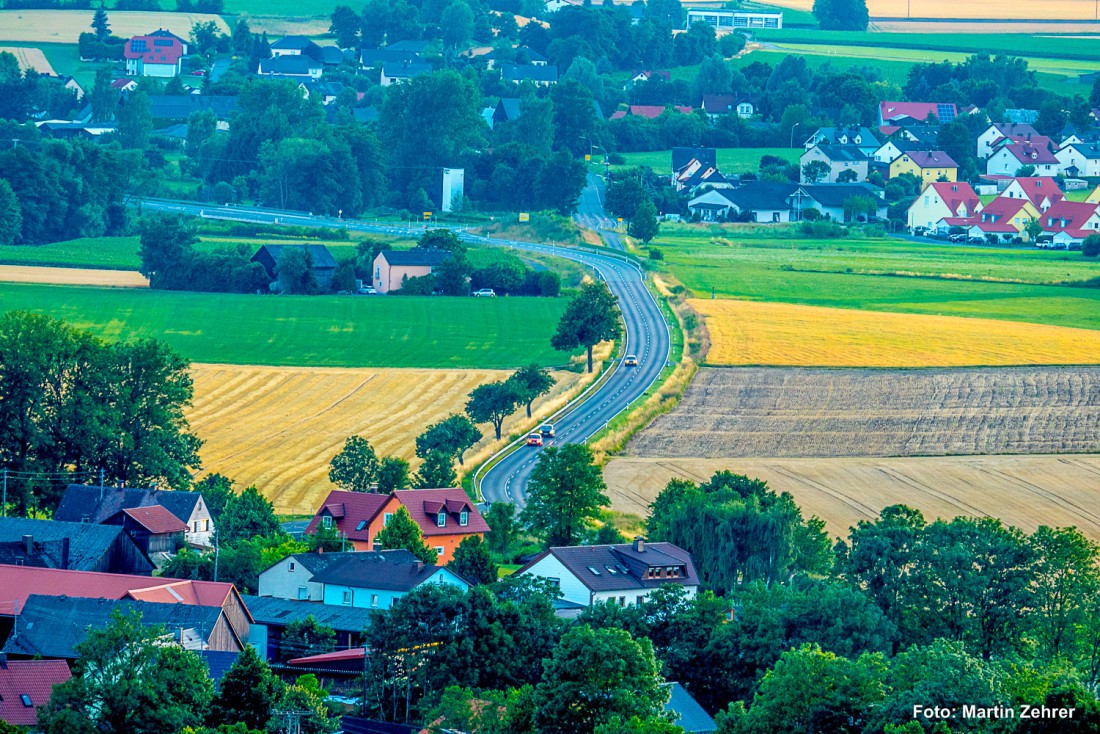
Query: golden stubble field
752, 332
30, 58
72, 276
1025, 491
65, 26
278, 427
983, 9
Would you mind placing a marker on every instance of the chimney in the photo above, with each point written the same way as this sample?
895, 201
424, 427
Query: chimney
639, 544
28, 544
64, 553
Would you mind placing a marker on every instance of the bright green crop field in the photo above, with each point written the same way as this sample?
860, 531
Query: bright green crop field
885, 274
322, 331
730, 160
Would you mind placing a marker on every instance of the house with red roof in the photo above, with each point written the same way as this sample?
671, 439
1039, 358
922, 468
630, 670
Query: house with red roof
1000, 132
1008, 159
1001, 220
903, 114
942, 200
445, 516
158, 54
1041, 191
27, 684
648, 111
1070, 222
153, 528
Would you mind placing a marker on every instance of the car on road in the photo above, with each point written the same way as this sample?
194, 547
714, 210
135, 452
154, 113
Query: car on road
919, 231
534, 439
547, 429
485, 293
631, 361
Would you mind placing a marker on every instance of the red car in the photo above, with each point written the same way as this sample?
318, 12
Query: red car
534, 439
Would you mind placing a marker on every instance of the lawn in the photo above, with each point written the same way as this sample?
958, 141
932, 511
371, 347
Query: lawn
884, 275
1015, 44
324, 331
730, 160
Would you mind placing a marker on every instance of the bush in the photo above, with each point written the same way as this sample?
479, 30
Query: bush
1091, 246
616, 159
821, 230
343, 280
655, 254
419, 286
812, 215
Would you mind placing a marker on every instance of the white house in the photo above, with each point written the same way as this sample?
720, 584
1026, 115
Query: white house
1079, 160
839, 158
158, 54
292, 66
624, 574
292, 577
375, 579
1010, 158
1001, 131
400, 72
1042, 191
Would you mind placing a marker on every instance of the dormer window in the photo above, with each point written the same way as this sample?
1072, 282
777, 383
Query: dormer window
464, 518
326, 521
441, 519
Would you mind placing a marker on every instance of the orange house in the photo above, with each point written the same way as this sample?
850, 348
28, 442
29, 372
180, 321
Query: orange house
445, 517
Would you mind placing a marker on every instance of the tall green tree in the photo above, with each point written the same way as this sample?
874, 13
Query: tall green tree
644, 225
11, 216
242, 41
345, 24
841, 15
453, 436
595, 676
100, 24
247, 515
504, 528
492, 403
103, 98
127, 681
565, 492
306, 637
559, 182
457, 24
393, 473
1065, 586
473, 562
355, 467
590, 318
248, 692
135, 121
532, 382
438, 470
402, 532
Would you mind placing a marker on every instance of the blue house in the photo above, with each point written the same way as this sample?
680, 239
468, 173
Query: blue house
374, 579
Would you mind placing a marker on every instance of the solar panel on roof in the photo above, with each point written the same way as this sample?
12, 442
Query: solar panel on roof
945, 112
162, 42
138, 45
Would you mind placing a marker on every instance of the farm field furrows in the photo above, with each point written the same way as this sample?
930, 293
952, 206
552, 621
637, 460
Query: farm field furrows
1025, 491
317, 331
756, 333
65, 26
72, 276
30, 58
801, 412
278, 427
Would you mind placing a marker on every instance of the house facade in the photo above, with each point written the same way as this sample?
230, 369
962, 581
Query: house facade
73, 546
839, 159
376, 580
154, 55
928, 166
1003, 131
153, 529
1079, 160
293, 577
392, 267
1010, 158
1042, 191
84, 503
322, 263
943, 200
357, 517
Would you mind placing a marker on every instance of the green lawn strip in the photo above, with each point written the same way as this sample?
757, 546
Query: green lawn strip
732, 160
324, 331
290, 9
888, 275
65, 60
1015, 44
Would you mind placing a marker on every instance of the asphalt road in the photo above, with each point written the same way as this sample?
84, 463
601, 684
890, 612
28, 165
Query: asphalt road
646, 332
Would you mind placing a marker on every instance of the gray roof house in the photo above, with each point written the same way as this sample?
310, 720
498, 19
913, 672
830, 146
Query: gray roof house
84, 503
375, 579
292, 577
539, 75
300, 67
624, 573
687, 713
271, 616
324, 264
76, 546
180, 107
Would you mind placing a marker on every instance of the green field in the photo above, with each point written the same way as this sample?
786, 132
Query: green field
730, 160
884, 275
1015, 44
320, 331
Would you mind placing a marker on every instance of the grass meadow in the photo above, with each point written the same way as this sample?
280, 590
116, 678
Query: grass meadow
322, 331
730, 160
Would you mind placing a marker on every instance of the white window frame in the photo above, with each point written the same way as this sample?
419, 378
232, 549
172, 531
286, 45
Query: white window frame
441, 519
464, 518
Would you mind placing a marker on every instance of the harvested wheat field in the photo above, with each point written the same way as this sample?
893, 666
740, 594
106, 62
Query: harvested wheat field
30, 58
752, 332
796, 412
72, 276
278, 427
1025, 491
65, 26
991, 9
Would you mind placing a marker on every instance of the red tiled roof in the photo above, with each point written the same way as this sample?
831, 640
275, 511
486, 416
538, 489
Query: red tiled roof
34, 679
649, 111
421, 502
1004, 227
1003, 207
954, 193
349, 509
156, 519
915, 110
1068, 216
154, 49
19, 582
1037, 188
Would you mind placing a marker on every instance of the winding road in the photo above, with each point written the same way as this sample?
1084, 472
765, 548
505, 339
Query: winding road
646, 332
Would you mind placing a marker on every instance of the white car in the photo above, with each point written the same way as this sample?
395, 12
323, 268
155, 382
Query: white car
368, 290
485, 293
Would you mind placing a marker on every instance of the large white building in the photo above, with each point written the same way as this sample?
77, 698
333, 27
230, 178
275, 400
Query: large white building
729, 20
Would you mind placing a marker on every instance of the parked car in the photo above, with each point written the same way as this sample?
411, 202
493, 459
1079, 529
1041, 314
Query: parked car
485, 293
957, 238
931, 233
631, 361
534, 439
976, 240
547, 429
919, 231
368, 290
1044, 241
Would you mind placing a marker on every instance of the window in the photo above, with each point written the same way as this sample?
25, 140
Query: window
292, 566
386, 518
464, 518
594, 570
26, 700
347, 598
206, 525
327, 521
374, 600
441, 519
639, 599
303, 594
622, 601
440, 550
197, 526
362, 524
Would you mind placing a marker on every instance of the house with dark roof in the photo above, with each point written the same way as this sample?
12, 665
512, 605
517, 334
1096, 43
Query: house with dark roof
1008, 159
839, 159
71, 546
542, 75
374, 58
830, 200
861, 137
292, 577
153, 528
507, 110
374, 580
682, 156
754, 201
292, 67
1003, 131
695, 176
84, 503
927, 165
398, 72
624, 574
1079, 160
393, 267
271, 616
686, 712
27, 684
296, 46
53, 626
321, 260
445, 516
178, 108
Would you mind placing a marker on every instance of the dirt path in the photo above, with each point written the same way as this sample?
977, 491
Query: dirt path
72, 276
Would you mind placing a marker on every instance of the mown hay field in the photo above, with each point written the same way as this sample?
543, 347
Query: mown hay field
1025, 491
65, 26
991, 9
278, 427
73, 276
30, 58
756, 333
798, 412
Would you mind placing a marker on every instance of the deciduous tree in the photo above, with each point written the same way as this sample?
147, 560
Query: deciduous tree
473, 562
492, 403
345, 24
590, 318
565, 492
247, 515
438, 470
531, 383
644, 225
402, 532
248, 692
393, 473
355, 467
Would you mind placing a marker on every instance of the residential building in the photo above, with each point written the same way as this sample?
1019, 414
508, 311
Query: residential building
519, 55
374, 58
893, 149
292, 66
392, 267
830, 200
861, 137
446, 517
295, 46
902, 114
271, 616
73, 86
839, 158
154, 529
717, 105
927, 165
754, 201
727, 20
322, 263
1070, 222
52, 627
375, 580
682, 156
124, 85
1002, 131
1042, 191
624, 574
83, 503
926, 135
1079, 160
73, 546
178, 108
27, 684
507, 110
648, 111
1008, 159
694, 176
940, 200
541, 75
398, 72
292, 577
1005, 217
639, 76
154, 55
686, 712
327, 92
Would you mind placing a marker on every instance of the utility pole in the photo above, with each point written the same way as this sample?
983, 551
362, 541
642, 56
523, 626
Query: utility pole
4, 503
